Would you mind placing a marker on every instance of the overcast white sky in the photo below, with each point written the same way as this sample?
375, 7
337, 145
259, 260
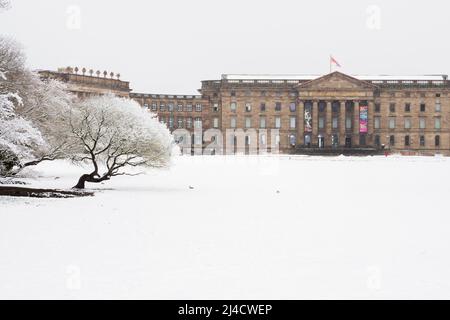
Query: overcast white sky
169, 46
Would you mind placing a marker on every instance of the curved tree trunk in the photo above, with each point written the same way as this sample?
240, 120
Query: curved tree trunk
93, 177
82, 181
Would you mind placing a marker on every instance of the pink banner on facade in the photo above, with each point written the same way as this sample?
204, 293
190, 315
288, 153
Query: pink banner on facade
363, 119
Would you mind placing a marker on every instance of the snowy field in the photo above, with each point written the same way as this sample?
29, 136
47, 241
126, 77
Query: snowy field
236, 228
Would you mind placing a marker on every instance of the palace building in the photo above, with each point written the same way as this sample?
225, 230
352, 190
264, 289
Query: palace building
306, 114
334, 113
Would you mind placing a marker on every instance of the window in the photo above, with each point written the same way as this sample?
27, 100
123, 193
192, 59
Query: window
392, 107
215, 107
154, 107
335, 122
377, 107
438, 95
293, 122
407, 141
392, 140
348, 123
162, 107
377, 140
437, 107
293, 107
180, 108
377, 122
233, 107
233, 122
277, 122
262, 139
437, 123
233, 93
189, 123
262, 107
278, 106
248, 122
198, 123
322, 106
408, 107
145, 105
422, 141
407, 123
437, 141
216, 123
170, 107
248, 107
321, 122
422, 123
180, 122
170, 122
292, 140
262, 122
335, 106
189, 107
362, 140
198, 107
422, 107
391, 122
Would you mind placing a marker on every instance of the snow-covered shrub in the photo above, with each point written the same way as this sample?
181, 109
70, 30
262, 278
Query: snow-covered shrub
114, 133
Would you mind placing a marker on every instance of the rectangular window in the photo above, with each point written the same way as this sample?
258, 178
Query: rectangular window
391, 122
198, 123
262, 107
248, 107
180, 108
422, 123
408, 107
233, 122
262, 122
407, 141
392, 140
278, 106
248, 122
437, 107
377, 122
392, 107
170, 122
277, 122
162, 107
233, 93
189, 107
293, 107
170, 107
321, 122
422, 141
348, 123
216, 123
215, 107
293, 122
189, 123
180, 122
437, 141
437, 123
377, 107
198, 107
233, 107
422, 107
154, 107
335, 123
407, 123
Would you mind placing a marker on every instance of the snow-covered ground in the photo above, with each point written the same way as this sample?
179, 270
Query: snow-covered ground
249, 228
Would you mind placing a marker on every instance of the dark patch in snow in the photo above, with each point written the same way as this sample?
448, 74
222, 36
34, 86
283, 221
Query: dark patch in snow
42, 193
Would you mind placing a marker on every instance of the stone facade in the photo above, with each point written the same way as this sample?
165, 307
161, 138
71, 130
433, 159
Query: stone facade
407, 115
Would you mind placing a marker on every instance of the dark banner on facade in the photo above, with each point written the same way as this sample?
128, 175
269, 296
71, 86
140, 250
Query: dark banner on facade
363, 119
308, 118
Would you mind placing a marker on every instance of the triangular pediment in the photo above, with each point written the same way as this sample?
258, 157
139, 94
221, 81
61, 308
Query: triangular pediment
337, 81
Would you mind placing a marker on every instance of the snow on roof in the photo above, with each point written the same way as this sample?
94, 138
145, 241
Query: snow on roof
315, 76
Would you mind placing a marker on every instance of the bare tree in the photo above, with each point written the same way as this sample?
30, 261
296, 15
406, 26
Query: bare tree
5, 4
113, 133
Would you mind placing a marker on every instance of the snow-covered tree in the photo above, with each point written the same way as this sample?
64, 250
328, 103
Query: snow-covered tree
4, 4
113, 133
32, 113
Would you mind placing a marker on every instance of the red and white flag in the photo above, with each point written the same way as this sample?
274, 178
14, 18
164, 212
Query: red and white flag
334, 61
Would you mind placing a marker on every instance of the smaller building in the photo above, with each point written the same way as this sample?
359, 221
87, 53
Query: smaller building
84, 83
